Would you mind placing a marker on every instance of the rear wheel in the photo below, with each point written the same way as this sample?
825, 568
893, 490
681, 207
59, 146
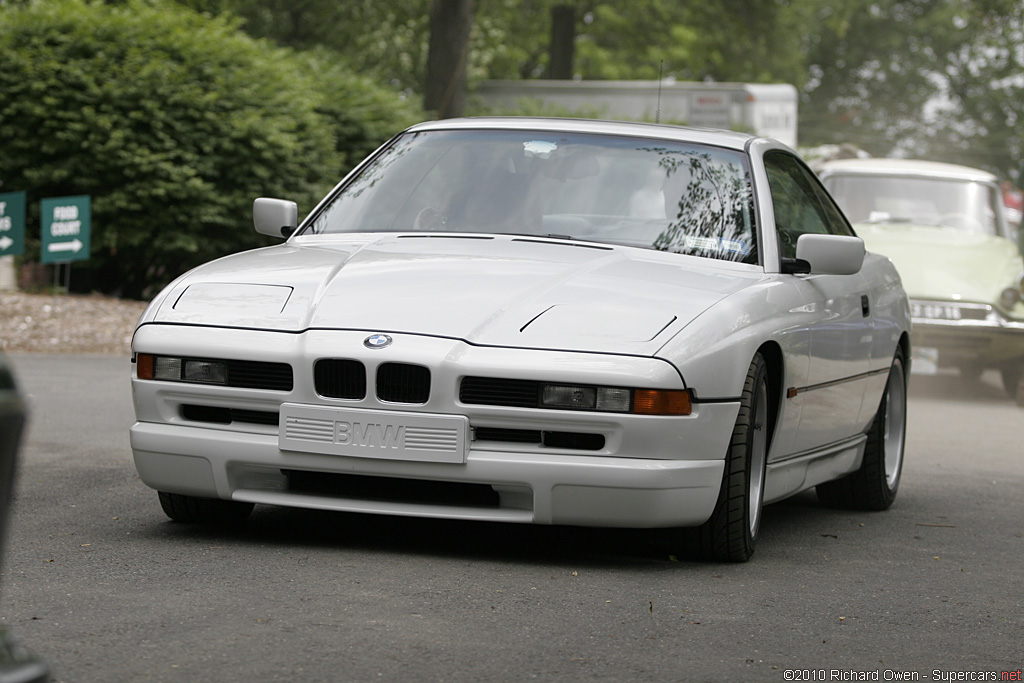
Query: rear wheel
195, 510
874, 485
731, 532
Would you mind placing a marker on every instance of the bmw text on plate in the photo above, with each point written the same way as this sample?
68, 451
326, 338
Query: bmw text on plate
536, 321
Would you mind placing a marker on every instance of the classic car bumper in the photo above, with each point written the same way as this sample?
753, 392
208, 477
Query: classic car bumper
966, 333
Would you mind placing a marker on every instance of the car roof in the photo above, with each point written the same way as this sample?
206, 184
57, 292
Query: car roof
906, 167
707, 136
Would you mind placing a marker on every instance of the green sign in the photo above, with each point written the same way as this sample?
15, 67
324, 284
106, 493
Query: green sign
12, 223
65, 229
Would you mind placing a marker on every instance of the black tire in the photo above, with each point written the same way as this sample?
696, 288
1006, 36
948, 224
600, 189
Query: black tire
874, 485
732, 530
193, 510
1011, 375
1013, 382
971, 371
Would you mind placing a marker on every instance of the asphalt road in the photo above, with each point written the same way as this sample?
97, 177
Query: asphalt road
102, 585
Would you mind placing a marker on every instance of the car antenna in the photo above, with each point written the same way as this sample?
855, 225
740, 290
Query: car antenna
657, 110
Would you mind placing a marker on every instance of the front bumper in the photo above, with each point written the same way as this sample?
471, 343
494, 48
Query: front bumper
529, 487
965, 333
648, 471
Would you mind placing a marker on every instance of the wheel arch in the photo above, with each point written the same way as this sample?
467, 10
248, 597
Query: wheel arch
773, 358
904, 344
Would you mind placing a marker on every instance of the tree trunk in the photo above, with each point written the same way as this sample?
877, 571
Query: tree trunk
448, 52
563, 42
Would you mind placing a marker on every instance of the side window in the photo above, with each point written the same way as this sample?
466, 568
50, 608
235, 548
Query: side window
801, 204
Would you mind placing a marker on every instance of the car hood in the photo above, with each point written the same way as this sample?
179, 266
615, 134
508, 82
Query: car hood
943, 264
486, 290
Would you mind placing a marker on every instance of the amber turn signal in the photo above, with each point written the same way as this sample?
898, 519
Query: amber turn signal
144, 366
661, 402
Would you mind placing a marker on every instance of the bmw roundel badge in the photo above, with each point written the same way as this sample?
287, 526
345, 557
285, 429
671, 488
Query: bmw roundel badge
377, 341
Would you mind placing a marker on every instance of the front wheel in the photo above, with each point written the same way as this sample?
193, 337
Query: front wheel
731, 532
874, 485
182, 508
1013, 382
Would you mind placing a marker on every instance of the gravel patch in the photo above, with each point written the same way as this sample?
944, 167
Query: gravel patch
67, 323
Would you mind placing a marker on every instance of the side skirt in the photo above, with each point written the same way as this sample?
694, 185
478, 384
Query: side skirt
810, 468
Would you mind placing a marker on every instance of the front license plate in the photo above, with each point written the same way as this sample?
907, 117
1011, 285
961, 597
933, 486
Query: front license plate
359, 433
935, 311
924, 361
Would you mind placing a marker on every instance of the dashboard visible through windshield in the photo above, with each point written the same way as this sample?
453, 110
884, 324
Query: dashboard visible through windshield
656, 194
956, 204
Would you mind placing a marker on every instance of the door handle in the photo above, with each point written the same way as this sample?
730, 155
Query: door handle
865, 308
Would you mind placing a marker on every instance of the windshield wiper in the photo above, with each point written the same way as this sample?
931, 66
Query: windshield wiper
888, 219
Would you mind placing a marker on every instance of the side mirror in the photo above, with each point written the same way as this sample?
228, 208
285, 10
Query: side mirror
831, 254
275, 217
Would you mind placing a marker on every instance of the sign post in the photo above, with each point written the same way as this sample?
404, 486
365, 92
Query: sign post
66, 227
12, 235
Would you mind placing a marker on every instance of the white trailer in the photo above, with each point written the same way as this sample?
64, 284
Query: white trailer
765, 109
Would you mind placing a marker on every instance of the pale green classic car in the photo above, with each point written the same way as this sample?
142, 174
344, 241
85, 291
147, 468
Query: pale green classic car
960, 261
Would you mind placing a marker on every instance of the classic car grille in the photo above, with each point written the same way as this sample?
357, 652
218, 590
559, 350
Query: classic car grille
340, 378
403, 383
221, 415
579, 441
492, 391
251, 374
391, 489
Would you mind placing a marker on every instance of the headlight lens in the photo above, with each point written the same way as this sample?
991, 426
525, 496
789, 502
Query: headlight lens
1010, 297
616, 399
172, 369
576, 398
205, 372
167, 368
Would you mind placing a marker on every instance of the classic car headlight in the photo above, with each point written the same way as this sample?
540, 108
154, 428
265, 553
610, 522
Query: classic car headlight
1010, 297
172, 369
616, 399
1017, 293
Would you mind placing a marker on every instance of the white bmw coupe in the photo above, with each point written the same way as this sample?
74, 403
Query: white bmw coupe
540, 321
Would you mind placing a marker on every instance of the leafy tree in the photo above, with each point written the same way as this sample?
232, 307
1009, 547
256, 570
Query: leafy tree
173, 122
980, 103
382, 39
748, 40
938, 79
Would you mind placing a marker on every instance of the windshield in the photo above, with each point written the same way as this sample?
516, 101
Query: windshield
956, 204
658, 194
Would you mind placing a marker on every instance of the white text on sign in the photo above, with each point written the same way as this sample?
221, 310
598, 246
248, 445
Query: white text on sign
64, 221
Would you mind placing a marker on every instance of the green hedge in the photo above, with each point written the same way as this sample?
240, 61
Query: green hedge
173, 122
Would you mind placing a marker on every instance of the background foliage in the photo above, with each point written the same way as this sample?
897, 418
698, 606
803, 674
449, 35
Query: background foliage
942, 79
174, 115
173, 122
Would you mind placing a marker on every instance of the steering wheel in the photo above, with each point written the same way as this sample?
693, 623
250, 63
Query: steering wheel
430, 218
